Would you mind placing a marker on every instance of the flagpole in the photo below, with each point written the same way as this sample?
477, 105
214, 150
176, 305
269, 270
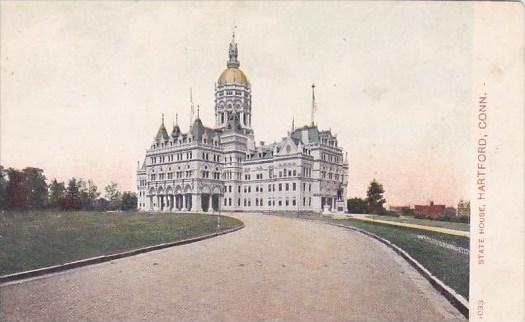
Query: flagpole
313, 103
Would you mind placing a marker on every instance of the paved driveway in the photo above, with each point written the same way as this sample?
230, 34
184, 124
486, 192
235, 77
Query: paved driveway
276, 269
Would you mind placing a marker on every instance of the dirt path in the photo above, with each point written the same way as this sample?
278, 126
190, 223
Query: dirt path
274, 269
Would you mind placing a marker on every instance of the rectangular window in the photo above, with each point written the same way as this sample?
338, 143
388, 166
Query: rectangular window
293, 186
280, 186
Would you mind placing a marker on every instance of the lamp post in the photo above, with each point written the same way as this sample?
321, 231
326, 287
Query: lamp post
219, 202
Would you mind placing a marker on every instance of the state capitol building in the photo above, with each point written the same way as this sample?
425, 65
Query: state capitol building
208, 168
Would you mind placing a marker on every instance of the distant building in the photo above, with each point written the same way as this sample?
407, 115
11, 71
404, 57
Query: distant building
463, 208
430, 211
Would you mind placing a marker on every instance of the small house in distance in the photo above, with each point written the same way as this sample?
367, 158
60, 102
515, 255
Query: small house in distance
430, 211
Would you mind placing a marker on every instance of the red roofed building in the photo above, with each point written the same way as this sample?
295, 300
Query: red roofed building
431, 211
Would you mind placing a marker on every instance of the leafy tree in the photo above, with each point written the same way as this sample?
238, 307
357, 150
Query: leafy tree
57, 194
88, 194
113, 195
129, 201
356, 206
3, 186
72, 198
16, 194
101, 204
36, 188
375, 200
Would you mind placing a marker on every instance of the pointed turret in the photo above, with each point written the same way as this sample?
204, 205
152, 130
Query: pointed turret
176, 129
162, 133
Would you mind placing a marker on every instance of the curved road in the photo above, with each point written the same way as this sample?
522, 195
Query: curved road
274, 269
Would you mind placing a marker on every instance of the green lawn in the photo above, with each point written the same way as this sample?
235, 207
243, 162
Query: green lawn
425, 222
448, 265
30, 240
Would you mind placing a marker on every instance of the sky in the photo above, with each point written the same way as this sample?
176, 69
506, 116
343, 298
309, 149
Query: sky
84, 84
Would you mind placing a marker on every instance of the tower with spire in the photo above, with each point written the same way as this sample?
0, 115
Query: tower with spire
233, 92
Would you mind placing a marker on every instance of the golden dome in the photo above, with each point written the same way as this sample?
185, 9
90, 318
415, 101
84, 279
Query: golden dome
233, 76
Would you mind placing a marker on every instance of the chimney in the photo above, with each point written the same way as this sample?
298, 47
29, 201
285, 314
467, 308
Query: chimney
431, 203
261, 143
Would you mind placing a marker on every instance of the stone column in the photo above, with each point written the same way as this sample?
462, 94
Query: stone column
210, 203
196, 203
183, 203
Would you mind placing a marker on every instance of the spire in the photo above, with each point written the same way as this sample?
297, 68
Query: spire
314, 107
293, 123
233, 53
176, 129
192, 111
198, 111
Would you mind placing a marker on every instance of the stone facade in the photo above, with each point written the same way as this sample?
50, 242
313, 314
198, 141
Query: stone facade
207, 169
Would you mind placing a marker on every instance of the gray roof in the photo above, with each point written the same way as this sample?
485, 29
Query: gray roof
162, 133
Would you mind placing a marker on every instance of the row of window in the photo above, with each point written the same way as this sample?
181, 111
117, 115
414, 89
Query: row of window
329, 142
331, 157
271, 187
171, 157
229, 92
331, 176
181, 140
307, 172
183, 174
183, 156
259, 202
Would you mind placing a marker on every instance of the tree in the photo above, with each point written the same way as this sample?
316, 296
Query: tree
129, 201
88, 194
16, 195
356, 206
3, 186
101, 204
36, 188
57, 194
375, 198
72, 198
113, 195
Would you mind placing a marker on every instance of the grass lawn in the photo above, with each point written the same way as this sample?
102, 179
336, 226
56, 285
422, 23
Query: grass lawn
425, 222
446, 264
30, 240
